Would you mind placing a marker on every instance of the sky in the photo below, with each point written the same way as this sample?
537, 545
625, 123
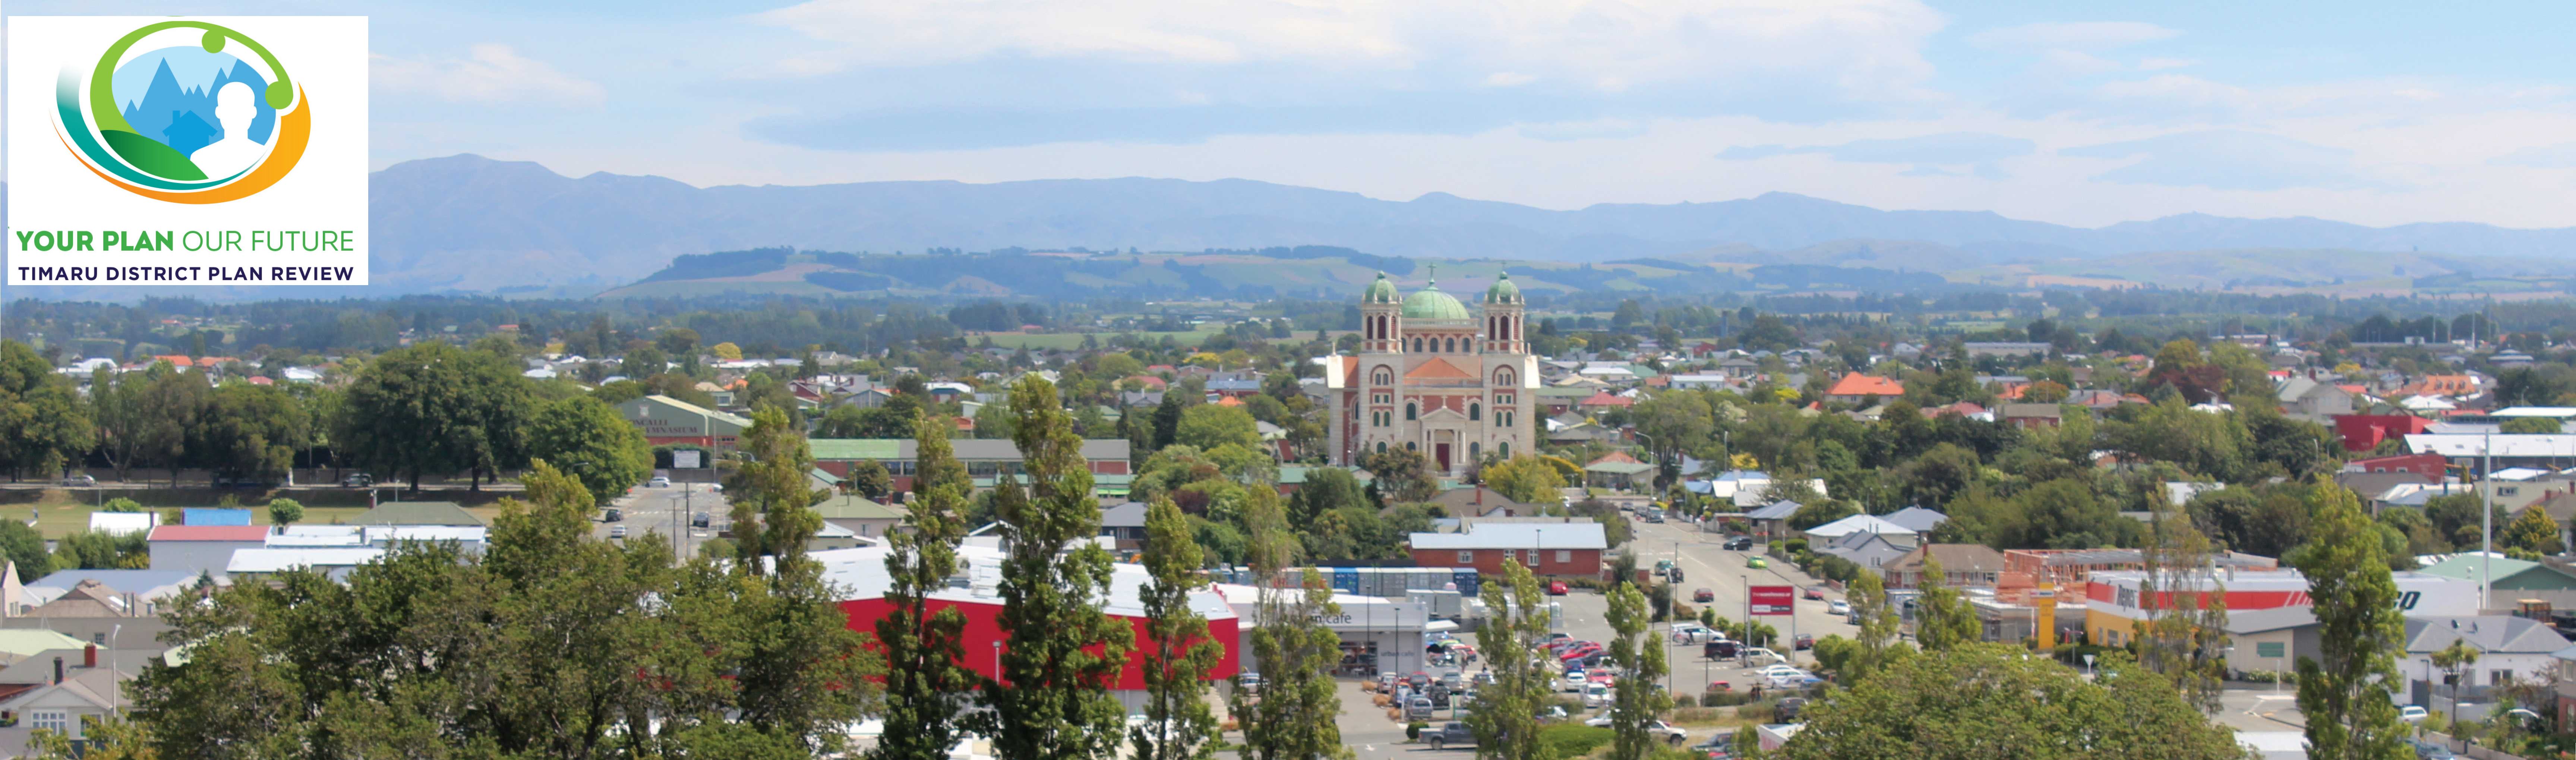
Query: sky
2082, 113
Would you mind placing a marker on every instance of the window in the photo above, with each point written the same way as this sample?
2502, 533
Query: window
51, 720
99, 638
1449, 345
2270, 649
1410, 412
2508, 490
1475, 412
2495, 677
1466, 558
1564, 555
1503, 377
1381, 447
1472, 451
1408, 445
1533, 558
1382, 376
1417, 345
1504, 448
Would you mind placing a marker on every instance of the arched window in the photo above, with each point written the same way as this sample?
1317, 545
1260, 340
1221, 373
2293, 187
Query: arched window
1452, 345
1417, 345
1381, 447
1503, 449
1408, 445
1409, 412
1472, 452
1503, 377
1475, 412
1383, 376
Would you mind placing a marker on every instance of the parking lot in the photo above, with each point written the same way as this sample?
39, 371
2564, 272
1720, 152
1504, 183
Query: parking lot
665, 510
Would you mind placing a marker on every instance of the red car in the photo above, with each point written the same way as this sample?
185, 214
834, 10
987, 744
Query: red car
1703, 596
1815, 592
1580, 652
1557, 588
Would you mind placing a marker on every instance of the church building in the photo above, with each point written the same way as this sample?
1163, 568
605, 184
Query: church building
1432, 377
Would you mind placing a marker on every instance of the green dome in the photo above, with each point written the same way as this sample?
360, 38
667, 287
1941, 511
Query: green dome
1381, 291
1503, 290
1430, 303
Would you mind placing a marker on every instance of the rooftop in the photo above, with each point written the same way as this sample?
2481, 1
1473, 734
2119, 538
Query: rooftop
1583, 535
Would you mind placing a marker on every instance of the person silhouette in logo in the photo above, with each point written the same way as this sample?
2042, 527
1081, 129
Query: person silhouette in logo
234, 111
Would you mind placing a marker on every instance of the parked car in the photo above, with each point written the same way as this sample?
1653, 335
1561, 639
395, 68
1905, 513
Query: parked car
1557, 636
1248, 681
1599, 695
618, 531
700, 520
1799, 681
1779, 669
658, 482
357, 480
1838, 607
1720, 649
1663, 567
1787, 711
79, 481
1587, 650
1557, 588
1418, 709
612, 514
1804, 642
1692, 633
2411, 713
2425, 750
1450, 734
1658, 728
1815, 593
1573, 681
1703, 596
1552, 714
1739, 544
1453, 680
1756, 562
1719, 746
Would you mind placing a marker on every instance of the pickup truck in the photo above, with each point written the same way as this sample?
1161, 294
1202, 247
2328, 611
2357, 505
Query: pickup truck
1450, 734
1656, 728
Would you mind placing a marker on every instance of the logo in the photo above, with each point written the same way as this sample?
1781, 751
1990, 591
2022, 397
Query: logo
207, 122
186, 150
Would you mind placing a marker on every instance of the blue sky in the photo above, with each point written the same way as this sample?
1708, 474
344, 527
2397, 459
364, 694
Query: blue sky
2072, 112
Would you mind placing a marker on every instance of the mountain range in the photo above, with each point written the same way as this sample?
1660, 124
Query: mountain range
469, 223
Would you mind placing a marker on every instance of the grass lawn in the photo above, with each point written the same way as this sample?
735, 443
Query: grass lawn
60, 512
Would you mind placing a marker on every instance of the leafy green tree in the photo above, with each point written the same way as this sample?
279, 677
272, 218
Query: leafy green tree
1525, 479
2532, 426
870, 479
772, 503
433, 408
1063, 650
1638, 700
1167, 417
25, 548
1294, 716
926, 686
1327, 490
587, 439
1516, 622
1208, 426
1401, 475
248, 431
1943, 618
283, 512
129, 430
1978, 701
2185, 639
121, 505
43, 423
2345, 690
1178, 653
2532, 531
994, 422
1876, 647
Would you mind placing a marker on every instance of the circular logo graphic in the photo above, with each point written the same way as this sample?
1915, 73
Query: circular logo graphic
186, 112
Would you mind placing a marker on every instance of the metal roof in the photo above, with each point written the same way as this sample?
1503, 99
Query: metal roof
1582, 535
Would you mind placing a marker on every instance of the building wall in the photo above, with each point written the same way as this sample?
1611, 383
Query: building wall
197, 556
984, 639
1487, 346
2246, 654
1551, 562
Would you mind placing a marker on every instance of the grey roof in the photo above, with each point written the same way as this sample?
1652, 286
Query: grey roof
2274, 619
1128, 515
417, 513
2501, 634
1581, 535
1779, 510
1916, 519
121, 580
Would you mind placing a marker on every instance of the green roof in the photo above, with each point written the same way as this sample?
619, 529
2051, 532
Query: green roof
1380, 290
828, 478
855, 507
417, 513
1430, 303
1503, 291
22, 643
2507, 572
856, 448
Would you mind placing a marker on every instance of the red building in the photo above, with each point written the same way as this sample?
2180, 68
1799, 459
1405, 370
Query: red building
986, 458
861, 572
2427, 465
1564, 549
2363, 432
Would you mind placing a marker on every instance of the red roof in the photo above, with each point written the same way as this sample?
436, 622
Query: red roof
1857, 384
210, 533
1603, 398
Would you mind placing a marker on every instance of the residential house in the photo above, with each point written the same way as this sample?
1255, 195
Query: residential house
1126, 523
2429, 466
1479, 501
2304, 398
61, 690
1979, 350
1857, 388
1617, 470
2509, 648
1770, 522
860, 515
2028, 416
1603, 401
1962, 566
1871, 551
123, 523
1857, 524
1916, 519
1551, 549
2073, 566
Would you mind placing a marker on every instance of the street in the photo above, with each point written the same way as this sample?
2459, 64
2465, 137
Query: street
666, 511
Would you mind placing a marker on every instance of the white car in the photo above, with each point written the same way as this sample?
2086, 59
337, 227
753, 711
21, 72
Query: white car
1778, 670
658, 483
2411, 713
1653, 727
1693, 634
1761, 656
1573, 681
1599, 695
1838, 607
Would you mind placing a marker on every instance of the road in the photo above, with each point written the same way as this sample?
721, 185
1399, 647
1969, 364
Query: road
666, 511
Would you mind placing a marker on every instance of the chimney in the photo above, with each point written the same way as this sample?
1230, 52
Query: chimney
58, 670
89, 656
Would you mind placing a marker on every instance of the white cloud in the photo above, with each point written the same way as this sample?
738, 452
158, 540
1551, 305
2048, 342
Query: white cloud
1508, 79
1870, 47
2086, 35
489, 73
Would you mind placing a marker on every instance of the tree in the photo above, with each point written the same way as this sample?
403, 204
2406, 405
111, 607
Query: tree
43, 423
1178, 655
247, 431
726, 351
1167, 418
772, 507
677, 341
1208, 426
2452, 659
2345, 690
1401, 475
1327, 490
1516, 622
1978, 701
2184, 639
128, 431
1638, 700
2532, 425
1525, 479
1052, 699
25, 548
1294, 717
433, 408
870, 479
926, 684
283, 512
1943, 618
587, 439
2532, 531
1875, 646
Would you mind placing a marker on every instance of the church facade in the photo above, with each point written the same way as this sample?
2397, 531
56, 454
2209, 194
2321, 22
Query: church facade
1433, 378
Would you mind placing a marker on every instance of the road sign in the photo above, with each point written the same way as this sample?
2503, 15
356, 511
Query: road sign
1774, 600
684, 459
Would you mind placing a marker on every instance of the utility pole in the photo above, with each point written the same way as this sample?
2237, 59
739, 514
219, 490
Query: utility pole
2486, 527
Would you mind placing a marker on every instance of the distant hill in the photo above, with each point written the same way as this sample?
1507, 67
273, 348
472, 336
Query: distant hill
468, 223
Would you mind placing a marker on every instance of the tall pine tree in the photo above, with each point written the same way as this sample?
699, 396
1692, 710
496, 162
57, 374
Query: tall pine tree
1517, 620
1053, 697
1293, 719
2344, 690
1178, 654
926, 684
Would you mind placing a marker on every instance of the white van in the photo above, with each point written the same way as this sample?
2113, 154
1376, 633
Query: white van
1599, 695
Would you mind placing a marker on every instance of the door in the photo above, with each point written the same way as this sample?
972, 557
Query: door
1440, 452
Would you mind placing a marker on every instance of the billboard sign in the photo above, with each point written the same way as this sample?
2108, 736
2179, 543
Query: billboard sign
1774, 600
